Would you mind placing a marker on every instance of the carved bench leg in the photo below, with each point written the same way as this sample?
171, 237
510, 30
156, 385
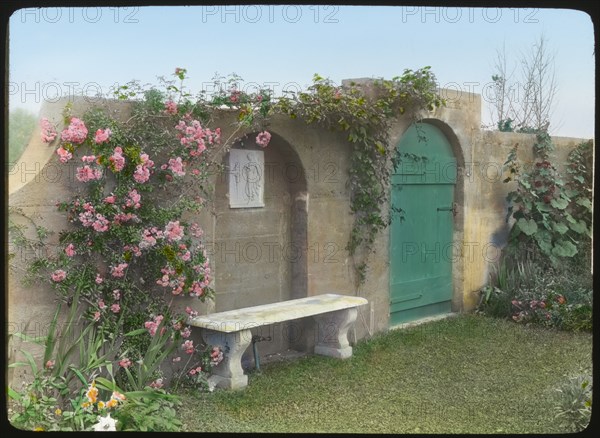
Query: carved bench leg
332, 331
229, 373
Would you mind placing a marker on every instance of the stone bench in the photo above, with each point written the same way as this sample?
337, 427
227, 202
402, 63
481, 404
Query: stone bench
334, 315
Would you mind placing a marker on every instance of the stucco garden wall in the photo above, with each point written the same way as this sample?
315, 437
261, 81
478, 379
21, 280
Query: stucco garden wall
294, 246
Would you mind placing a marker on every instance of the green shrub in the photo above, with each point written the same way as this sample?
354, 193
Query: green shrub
149, 411
531, 290
574, 407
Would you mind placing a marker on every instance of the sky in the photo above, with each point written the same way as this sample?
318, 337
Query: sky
56, 51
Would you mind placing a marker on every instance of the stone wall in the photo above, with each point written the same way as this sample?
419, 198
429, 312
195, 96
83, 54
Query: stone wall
294, 245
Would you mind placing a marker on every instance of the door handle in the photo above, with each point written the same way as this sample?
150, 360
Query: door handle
453, 209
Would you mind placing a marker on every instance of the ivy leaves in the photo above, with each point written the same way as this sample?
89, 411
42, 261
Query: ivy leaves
367, 122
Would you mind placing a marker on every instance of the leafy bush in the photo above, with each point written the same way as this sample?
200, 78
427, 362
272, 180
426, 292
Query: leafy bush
149, 411
531, 290
574, 407
544, 274
550, 215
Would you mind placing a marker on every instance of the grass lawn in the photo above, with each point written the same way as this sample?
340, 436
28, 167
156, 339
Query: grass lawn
468, 374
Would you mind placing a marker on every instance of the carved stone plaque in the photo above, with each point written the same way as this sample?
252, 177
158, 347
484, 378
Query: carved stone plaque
246, 178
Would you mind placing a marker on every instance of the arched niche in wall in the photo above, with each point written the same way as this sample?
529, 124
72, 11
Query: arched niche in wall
261, 206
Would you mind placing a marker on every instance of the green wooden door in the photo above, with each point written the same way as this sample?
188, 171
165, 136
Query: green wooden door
421, 236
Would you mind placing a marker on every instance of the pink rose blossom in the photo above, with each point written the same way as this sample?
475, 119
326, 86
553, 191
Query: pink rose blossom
188, 346
191, 312
101, 304
76, 132
195, 371
171, 107
86, 173
177, 167
48, 133
152, 326
216, 356
115, 308
49, 364
146, 161
186, 332
99, 279
196, 230
197, 289
125, 363
64, 154
117, 271
58, 275
263, 139
110, 199
88, 158
100, 224
102, 135
125, 217
117, 159
96, 316
174, 231
141, 174
133, 199
70, 250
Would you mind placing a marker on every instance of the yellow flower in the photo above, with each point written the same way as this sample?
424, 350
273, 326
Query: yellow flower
111, 403
39, 429
58, 411
92, 394
100, 405
85, 404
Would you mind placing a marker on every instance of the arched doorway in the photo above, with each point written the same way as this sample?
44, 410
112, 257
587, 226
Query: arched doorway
421, 232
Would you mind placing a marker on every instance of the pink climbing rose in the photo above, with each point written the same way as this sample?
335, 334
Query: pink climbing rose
64, 154
118, 271
86, 173
141, 174
152, 326
48, 132
76, 132
171, 107
117, 159
70, 250
263, 139
177, 167
188, 346
102, 135
58, 275
174, 231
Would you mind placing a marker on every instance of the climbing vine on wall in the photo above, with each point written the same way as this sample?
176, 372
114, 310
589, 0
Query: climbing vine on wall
366, 121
